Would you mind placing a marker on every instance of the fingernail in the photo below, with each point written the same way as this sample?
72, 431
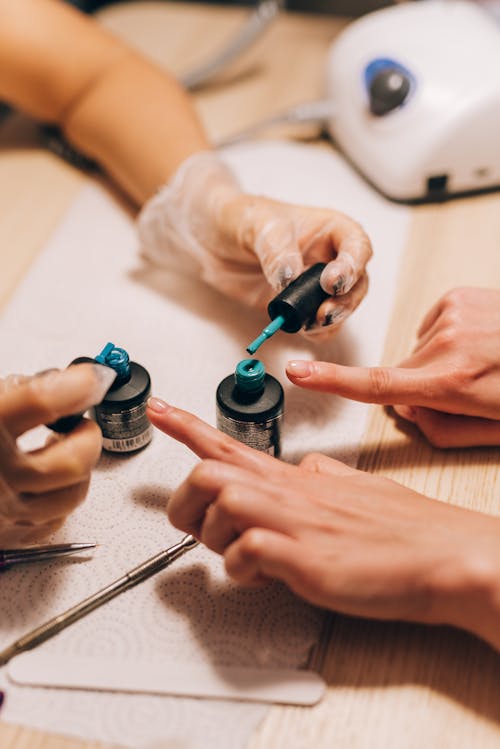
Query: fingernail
299, 368
339, 285
286, 275
332, 281
334, 316
105, 377
157, 405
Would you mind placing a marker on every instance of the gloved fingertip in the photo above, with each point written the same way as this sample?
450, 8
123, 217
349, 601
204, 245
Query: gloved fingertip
319, 334
333, 317
337, 279
287, 271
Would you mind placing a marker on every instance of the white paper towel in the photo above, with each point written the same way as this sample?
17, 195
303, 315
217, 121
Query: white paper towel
87, 287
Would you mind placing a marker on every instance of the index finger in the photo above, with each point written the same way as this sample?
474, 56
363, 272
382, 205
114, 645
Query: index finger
384, 385
208, 442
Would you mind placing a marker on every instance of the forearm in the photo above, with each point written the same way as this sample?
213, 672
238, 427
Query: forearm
137, 123
115, 106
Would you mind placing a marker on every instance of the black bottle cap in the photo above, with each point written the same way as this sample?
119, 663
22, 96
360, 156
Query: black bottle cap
254, 407
299, 302
130, 392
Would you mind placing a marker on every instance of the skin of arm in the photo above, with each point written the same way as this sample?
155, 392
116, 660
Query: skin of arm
449, 386
61, 67
138, 123
340, 538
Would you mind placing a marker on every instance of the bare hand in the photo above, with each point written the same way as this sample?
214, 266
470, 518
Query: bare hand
338, 537
449, 386
39, 489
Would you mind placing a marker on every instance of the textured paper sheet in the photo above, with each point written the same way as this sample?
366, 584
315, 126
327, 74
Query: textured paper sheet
87, 287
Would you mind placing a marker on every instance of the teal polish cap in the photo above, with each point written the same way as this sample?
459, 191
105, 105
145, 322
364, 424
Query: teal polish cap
249, 375
116, 358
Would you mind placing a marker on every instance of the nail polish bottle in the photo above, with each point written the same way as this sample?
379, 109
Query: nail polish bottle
122, 414
250, 406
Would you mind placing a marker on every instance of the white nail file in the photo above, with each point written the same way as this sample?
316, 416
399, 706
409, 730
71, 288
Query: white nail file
278, 685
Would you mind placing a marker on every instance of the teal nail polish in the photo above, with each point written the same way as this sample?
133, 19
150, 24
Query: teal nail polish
250, 406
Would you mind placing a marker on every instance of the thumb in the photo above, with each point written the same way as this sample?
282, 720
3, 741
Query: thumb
385, 385
277, 249
450, 430
45, 398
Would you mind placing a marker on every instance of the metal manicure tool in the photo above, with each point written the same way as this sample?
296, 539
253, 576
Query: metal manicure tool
135, 576
9, 557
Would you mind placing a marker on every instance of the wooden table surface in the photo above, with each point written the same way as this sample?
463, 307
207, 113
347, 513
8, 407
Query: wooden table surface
391, 685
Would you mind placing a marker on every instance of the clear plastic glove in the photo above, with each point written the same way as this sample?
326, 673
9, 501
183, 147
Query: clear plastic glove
38, 489
249, 247
449, 386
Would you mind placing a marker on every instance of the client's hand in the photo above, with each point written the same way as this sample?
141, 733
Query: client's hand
39, 488
338, 537
449, 386
250, 247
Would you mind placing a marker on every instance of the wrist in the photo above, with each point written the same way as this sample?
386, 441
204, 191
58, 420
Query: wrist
186, 214
481, 614
467, 594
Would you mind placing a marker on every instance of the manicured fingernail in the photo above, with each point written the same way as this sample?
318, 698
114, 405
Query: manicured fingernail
157, 405
299, 368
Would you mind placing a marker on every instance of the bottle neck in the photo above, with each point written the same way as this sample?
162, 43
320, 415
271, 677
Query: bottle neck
249, 379
118, 359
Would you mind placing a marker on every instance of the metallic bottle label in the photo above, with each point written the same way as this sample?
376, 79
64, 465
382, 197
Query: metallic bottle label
264, 436
124, 430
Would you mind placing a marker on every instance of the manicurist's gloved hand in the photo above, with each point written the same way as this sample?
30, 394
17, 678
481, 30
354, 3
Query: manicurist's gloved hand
38, 489
133, 118
340, 538
249, 247
449, 386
